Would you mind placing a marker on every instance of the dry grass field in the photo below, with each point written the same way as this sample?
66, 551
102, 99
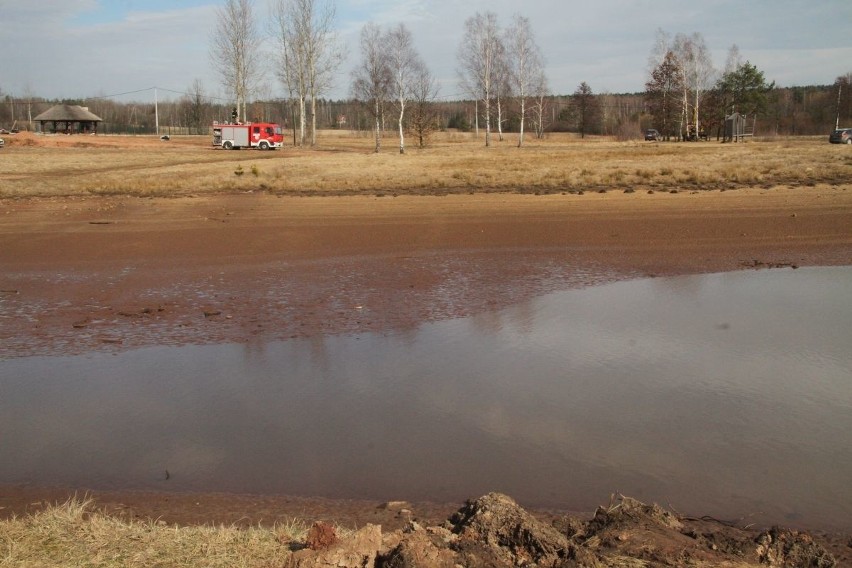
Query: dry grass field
344, 164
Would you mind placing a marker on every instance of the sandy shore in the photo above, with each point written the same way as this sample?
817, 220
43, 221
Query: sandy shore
78, 274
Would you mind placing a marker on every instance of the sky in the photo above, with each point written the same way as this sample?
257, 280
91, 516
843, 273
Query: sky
90, 48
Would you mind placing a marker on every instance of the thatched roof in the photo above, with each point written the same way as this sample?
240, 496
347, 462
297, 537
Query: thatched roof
68, 113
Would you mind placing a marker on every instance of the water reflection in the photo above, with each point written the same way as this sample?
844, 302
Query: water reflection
726, 394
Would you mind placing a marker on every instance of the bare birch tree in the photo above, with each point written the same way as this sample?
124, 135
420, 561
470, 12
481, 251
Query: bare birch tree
478, 57
309, 54
662, 46
403, 65
234, 51
734, 60
371, 80
693, 57
502, 86
540, 93
324, 53
287, 30
526, 63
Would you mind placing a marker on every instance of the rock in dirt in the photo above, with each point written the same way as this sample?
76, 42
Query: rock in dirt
395, 505
782, 547
420, 548
356, 551
320, 535
626, 511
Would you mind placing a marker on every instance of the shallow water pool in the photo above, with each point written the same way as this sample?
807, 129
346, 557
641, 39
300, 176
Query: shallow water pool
725, 394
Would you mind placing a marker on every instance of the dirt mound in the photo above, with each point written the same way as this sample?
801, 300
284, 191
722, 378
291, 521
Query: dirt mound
23, 139
32, 139
496, 527
494, 531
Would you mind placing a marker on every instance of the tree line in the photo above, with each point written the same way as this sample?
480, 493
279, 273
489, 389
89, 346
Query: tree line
500, 71
790, 111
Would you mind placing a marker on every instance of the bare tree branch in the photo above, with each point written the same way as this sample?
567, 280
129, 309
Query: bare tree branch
371, 80
478, 58
234, 50
526, 65
309, 54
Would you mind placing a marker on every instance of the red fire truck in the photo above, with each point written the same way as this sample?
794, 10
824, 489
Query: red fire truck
261, 135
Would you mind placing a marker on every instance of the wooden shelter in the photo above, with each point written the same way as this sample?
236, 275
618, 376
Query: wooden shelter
68, 119
736, 128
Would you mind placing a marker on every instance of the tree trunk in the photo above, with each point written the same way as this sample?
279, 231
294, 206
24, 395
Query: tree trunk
499, 120
401, 136
378, 128
523, 114
313, 121
487, 123
302, 120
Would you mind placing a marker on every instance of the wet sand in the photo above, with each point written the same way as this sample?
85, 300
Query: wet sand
109, 273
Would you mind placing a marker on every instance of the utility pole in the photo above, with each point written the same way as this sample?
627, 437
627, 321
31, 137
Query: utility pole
156, 113
837, 119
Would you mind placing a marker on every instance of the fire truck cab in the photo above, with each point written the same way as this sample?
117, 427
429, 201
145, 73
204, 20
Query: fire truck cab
260, 135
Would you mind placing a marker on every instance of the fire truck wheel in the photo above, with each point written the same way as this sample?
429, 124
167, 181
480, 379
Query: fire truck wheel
227, 145
264, 145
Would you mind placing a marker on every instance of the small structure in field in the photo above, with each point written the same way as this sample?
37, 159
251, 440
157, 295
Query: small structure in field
736, 128
68, 119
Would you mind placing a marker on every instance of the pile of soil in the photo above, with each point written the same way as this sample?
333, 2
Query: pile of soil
495, 531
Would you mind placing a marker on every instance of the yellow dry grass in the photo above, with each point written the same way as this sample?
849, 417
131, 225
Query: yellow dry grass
344, 163
73, 534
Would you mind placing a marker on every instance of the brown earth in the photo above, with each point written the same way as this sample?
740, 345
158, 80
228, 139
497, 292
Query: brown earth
117, 272
83, 273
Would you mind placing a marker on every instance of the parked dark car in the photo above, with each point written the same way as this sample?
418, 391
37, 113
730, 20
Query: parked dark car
652, 134
841, 136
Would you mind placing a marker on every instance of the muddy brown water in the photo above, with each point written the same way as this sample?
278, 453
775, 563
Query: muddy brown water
724, 394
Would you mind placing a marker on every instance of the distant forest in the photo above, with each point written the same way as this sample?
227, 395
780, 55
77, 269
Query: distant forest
791, 111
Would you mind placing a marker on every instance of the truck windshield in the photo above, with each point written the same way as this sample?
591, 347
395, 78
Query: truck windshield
278, 130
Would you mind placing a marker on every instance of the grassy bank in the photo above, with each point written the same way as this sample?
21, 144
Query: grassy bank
344, 163
490, 531
74, 534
